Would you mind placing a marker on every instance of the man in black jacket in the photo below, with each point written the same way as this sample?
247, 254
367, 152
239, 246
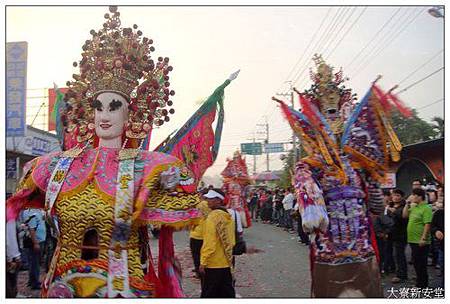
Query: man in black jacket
399, 236
437, 230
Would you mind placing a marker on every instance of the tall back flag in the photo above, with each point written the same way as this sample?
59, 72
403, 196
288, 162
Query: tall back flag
196, 144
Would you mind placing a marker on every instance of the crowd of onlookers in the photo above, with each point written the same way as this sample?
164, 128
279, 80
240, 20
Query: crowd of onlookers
277, 207
415, 220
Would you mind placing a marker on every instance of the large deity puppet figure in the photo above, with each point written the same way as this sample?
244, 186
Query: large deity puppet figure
337, 185
235, 179
102, 191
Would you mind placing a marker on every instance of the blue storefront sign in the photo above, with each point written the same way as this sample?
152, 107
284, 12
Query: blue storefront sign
39, 146
16, 85
11, 168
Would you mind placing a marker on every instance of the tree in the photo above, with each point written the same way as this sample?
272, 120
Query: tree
288, 167
412, 130
288, 164
438, 126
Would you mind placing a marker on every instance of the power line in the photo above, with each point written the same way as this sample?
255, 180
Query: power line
348, 30
392, 39
382, 41
395, 28
344, 23
430, 104
416, 70
309, 44
328, 42
373, 38
302, 69
419, 81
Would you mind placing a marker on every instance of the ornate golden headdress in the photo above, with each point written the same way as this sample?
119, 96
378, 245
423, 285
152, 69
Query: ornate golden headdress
118, 60
328, 92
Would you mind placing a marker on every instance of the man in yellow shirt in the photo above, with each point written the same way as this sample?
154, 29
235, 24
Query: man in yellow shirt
196, 236
217, 251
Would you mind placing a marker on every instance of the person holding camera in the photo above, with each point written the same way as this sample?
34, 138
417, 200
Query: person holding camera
419, 215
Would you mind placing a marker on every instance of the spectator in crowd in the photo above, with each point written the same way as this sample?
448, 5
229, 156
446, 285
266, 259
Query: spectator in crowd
277, 211
262, 197
266, 212
398, 235
419, 216
431, 197
196, 237
216, 255
431, 192
12, 260
35, 241
253, 204
383, 228
437, 230
416, 184
440, 197
288, 204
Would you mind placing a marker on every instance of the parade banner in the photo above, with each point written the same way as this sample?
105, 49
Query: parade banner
16, 86
52, 96
196, 143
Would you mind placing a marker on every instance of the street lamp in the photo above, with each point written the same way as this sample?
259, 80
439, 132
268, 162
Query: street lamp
437, 11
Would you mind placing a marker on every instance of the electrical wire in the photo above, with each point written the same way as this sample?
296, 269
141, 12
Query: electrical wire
420, 67
381, 42
346, 33
430, 104
421, 80
302, 69
308, 45
389, 42
373, 38
334, 37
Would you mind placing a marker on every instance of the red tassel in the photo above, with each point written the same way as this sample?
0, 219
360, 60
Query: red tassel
400, 105
309, 110
382, 97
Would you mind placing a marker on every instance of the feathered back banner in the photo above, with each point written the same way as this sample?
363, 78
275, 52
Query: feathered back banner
195, 143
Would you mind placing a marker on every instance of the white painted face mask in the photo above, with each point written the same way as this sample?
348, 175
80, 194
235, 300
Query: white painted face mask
111, 115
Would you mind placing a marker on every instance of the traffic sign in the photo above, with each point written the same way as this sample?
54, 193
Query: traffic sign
274, 148
251, 148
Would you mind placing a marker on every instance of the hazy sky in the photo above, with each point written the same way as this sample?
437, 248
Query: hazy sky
206, 44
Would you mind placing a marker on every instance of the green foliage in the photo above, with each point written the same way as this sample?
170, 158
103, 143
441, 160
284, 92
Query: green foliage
288, 165
412, 130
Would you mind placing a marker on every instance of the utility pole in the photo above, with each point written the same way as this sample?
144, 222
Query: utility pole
266, 140
254, 155
294, 137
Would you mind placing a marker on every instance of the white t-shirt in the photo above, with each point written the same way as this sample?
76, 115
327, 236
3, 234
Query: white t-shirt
237, 219
288, 201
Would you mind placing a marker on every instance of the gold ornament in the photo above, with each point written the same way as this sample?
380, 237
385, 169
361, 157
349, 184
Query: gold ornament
117, 59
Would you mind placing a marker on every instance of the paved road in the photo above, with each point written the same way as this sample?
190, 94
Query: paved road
281, 271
